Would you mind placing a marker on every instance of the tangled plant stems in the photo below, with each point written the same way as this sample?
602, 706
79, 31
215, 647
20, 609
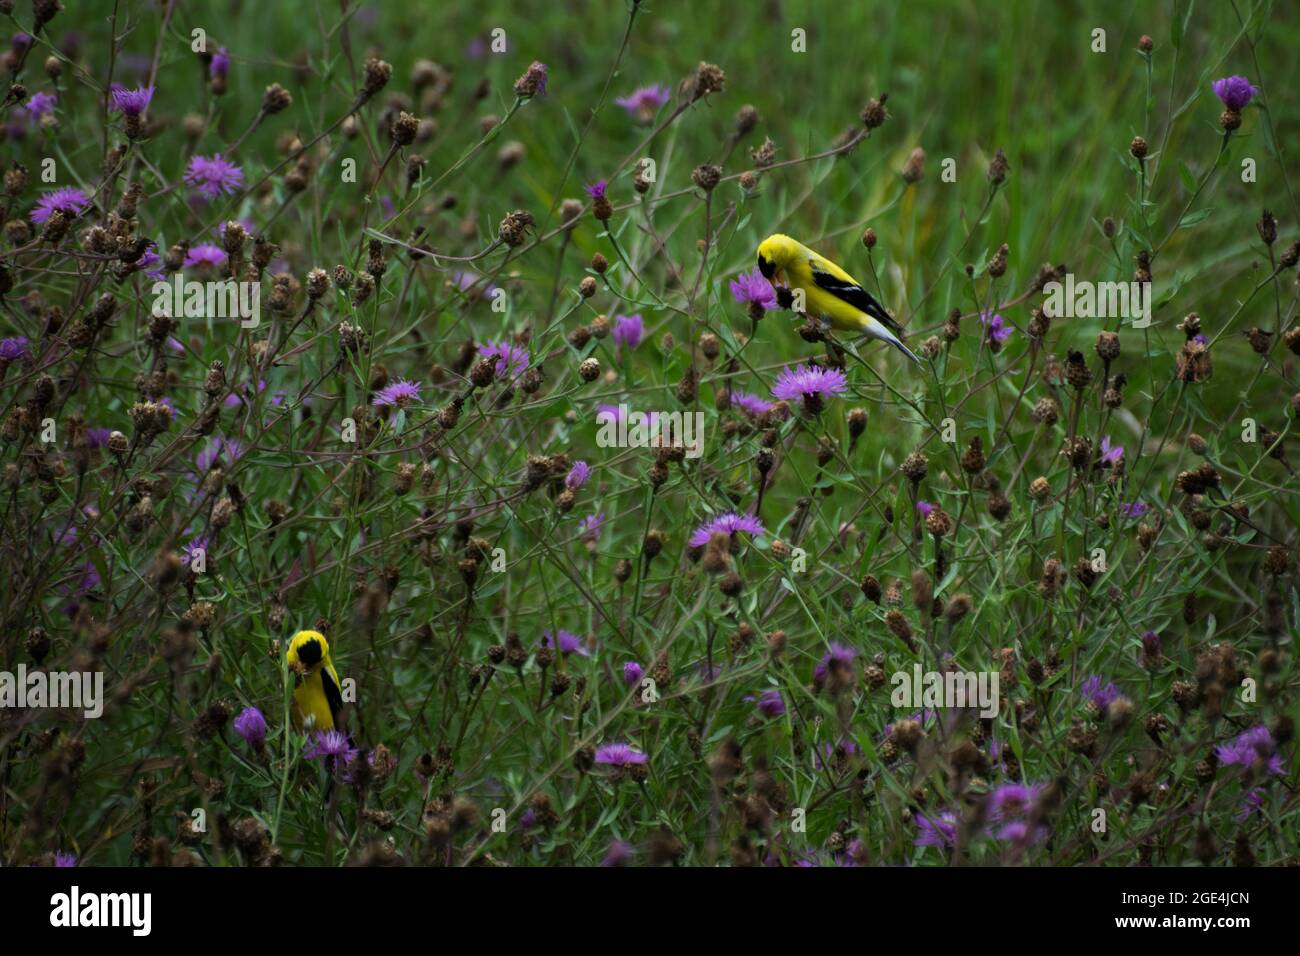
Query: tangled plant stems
446, 340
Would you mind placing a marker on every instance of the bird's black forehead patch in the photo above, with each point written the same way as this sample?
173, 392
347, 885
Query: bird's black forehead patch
310, 651
766, 267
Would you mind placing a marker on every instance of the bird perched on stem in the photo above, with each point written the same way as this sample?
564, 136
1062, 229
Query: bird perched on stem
318, 699
829, 293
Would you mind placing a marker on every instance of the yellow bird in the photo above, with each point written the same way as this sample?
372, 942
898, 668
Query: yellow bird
318, 699
830, 293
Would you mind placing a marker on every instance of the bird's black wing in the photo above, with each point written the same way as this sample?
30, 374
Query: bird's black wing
854, 295
333, 696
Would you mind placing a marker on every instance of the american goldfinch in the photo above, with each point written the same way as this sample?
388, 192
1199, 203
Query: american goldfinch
830, 293
317, 700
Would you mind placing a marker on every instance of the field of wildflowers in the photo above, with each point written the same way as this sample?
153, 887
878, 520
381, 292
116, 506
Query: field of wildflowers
335, 317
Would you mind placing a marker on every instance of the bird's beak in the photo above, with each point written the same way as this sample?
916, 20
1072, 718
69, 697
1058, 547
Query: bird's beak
767, 268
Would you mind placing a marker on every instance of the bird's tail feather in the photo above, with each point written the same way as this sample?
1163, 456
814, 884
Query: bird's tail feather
887, 336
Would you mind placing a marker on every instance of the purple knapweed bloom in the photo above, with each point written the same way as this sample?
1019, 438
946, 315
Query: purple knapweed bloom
39, 104
632, 673
63, 860
751, 404
400, 394
596, 190
131, 102
13, 348
251, 725
924, 508
996, 327
770, 703
577, 476
589, 527
809, 382
619, 755
628, 330
72, 202
644, 102
838, 656
1133, 509
566, 641
511, 360
729, 523
617, 854
1254, 747
1234, 91
1253, 801
1100, 695
753, 287
1111, 454
212, 176
1012, 798
204, 254
331, 743
939, 830
220, 64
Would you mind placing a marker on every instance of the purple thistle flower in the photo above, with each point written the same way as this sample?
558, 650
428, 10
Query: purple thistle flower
1012, 798
63, 860
213, 176
1019, 831
147, 259
1111, 454
809, 381
220, 64
1253, 801
628, 330
596, 190
467, 281
940, 830
39, 104
200, 543
1255, 746
511, 360
729, 523
619, 755
645, 101
829, 754
204, 254
751, 404
251, 725
98, 437
72, 202
589, 527
1151, 644
218, 449
771, 703
1133, 509
131, 102
1234, 91
567, 641
1098, 694
753, 287
838, 656
632, 673
331, 743
617, 854
577, 476
14, 348
20, 41
996, 327
924, 508
400, 394
613, 413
